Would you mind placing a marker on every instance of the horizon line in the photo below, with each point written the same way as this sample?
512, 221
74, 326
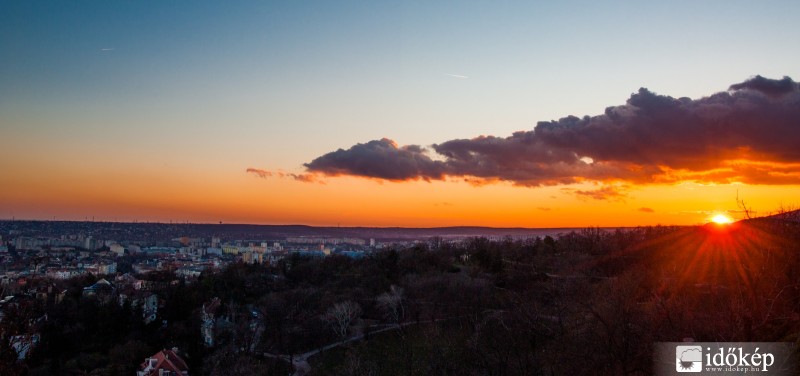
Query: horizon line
334, 226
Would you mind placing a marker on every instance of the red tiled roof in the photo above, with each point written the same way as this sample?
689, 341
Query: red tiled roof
166, 360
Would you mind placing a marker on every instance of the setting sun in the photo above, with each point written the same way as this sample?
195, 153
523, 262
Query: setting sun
721, 219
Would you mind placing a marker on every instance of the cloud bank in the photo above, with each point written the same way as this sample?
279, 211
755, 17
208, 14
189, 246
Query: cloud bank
749, 133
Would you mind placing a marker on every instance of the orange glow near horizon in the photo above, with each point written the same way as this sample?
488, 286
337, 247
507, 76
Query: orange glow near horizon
236, 197
121, 187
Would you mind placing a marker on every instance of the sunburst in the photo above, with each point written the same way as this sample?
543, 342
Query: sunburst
721, 219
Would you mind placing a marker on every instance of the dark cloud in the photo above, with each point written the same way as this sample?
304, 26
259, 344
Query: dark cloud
767, 86
381, 159
747, 134
647, 210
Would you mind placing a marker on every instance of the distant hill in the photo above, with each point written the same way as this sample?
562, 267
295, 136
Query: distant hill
166, 231
791, 216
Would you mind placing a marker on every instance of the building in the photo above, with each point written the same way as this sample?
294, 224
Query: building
24, 344
230, 249
209, 320
163, 363
149, 308
102, 289
63, 273
147, 301
193, 271
250, 257
89, 243
28, 243
107, 268
118, 249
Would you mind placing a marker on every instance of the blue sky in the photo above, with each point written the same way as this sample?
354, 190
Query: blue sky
374, 69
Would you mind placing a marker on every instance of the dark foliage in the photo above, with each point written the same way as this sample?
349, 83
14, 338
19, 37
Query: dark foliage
507, 307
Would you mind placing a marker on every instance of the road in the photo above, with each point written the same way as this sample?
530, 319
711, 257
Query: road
300, 361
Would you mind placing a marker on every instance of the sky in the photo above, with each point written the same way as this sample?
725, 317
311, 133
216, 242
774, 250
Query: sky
416, 114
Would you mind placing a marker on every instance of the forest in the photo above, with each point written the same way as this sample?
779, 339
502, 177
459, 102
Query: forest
587, 302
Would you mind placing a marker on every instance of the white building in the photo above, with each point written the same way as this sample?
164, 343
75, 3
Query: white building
117, 248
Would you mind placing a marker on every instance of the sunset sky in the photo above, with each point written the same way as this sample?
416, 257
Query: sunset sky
398, 113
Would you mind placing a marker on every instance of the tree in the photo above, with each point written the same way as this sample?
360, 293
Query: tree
748, 211
391, 303
341, 315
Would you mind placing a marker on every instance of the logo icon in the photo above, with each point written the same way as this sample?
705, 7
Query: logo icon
689, 358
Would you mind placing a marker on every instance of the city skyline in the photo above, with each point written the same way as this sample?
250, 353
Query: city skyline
408, 114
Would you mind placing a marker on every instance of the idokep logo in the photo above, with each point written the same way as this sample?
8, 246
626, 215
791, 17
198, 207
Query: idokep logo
689, 358
725, 358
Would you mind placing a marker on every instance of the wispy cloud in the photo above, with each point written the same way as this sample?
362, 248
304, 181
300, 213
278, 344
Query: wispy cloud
456, 75
106, 49
647, 210
259, 172
608, 192
264, 174
745, 134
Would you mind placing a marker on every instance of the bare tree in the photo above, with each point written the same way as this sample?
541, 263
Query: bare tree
392, 303
788, 212
341, 315
748, 211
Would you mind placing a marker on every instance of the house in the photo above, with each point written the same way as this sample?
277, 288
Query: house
148, 302
102, 290
149, 308
125, 280
209, 312
100, 287
164, 363
24, 344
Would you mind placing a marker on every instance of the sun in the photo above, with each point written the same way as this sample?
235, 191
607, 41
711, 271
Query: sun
721, 219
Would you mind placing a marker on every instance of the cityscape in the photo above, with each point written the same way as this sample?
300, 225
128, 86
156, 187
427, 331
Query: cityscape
244, 299
55, 250
127, 266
